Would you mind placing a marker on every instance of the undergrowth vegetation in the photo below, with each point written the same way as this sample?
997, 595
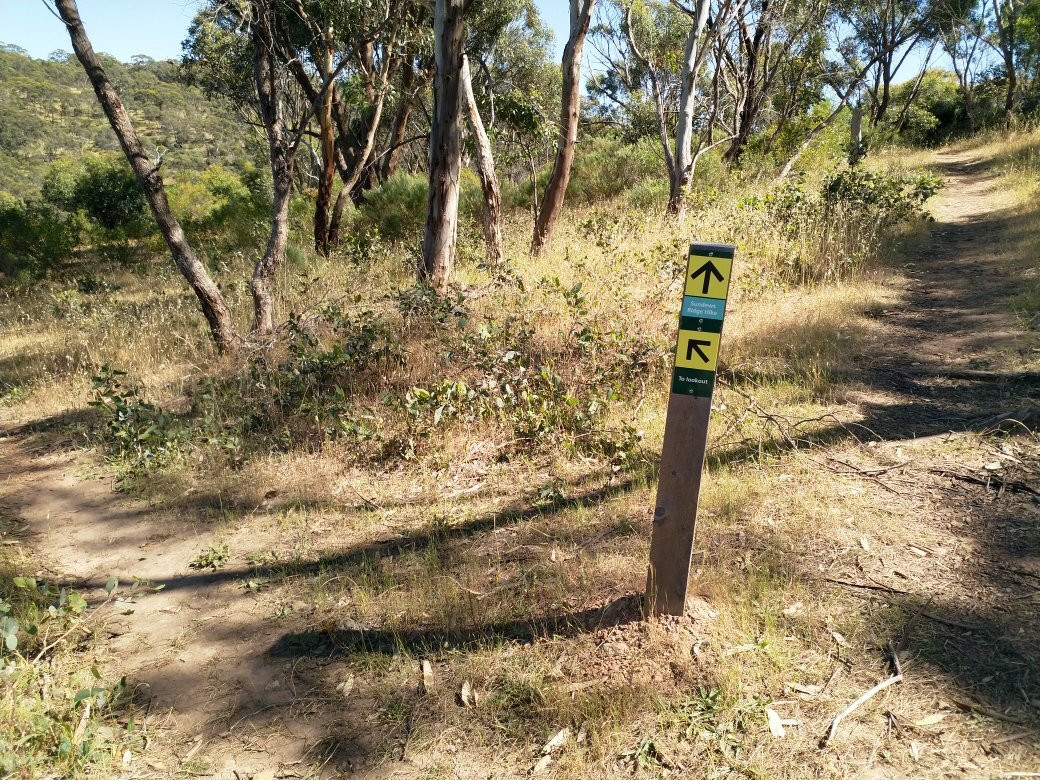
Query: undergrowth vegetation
385, 372
58, 713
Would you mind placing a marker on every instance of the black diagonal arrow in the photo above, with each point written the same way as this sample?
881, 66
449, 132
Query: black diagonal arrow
709, 270
694, 345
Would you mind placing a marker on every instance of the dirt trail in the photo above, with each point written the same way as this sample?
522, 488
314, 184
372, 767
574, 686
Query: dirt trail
201, 648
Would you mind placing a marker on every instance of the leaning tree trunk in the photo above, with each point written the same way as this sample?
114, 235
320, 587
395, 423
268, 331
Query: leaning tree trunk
438, 257
214, 307
570, 110
281, 153
492, 211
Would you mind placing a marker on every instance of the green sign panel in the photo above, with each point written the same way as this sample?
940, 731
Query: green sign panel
708, 274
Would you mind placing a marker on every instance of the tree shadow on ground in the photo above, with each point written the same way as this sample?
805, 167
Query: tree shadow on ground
985, 644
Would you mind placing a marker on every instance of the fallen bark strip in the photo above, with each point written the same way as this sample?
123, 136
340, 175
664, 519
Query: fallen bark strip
866, 696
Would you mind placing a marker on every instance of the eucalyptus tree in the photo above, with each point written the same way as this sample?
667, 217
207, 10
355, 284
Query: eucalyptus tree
1004, 21
570, 112
776, 46
666, 50
884, 33
214, 307
437, 263
962, 34
492, 202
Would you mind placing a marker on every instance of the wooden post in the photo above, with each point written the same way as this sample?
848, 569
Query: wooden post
708, 274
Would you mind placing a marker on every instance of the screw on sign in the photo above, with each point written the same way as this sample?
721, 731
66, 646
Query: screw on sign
708, 274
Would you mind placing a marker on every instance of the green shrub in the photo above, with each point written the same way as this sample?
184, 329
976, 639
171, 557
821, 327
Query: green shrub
606, 167
397, 208
58, 717
885, 200
829, 236
35, 237
104, 188
649, 194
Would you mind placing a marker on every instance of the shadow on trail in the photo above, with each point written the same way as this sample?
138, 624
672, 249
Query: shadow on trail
404, 545
986, 646
434, 639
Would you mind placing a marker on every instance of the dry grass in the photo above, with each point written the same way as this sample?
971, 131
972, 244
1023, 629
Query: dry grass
517, 573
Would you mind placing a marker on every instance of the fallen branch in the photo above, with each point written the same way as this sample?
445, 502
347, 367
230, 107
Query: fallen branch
864, 586
861, 472
977, 708
989, 480
869, 472
857, 704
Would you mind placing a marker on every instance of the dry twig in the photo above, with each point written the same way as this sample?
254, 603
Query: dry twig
866, 696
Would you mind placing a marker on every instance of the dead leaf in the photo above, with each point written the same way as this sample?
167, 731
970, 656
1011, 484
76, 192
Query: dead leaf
467, 696
542, 765
994, 466
795, 609
915, 751
346, 687
864, 543
776, 726
427, 676
561, 736
264, 774
931, 720
841, 640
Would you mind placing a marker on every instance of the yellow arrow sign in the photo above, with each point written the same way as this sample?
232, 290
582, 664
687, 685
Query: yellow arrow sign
708, 277
697, 349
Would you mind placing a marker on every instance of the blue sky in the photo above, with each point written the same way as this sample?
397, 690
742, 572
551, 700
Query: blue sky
121, 28
124, 28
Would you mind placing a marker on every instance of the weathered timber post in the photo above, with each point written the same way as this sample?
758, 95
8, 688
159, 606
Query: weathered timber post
708, 274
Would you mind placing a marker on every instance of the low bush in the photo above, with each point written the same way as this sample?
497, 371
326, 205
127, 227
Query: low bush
605, 168
35, 237
830, 235
58, 716
104, 189
397, 208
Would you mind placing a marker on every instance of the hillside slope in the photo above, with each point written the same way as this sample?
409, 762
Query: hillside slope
48, 111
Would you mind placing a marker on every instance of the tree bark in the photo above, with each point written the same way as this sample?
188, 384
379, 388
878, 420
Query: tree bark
214, 307
570, 111
323, 200
492, 210
442, 214
679, 180
400, 123
1006, 38
752, 98
281, 152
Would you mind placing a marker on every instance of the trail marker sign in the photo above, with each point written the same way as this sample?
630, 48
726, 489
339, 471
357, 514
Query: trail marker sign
708, 274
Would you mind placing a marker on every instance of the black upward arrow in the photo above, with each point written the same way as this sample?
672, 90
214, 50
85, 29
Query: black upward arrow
709, 270
694, 345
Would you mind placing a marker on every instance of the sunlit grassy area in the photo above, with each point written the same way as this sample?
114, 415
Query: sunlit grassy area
469, 481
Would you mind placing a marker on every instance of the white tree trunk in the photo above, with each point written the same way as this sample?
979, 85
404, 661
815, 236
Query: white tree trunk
492, 211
